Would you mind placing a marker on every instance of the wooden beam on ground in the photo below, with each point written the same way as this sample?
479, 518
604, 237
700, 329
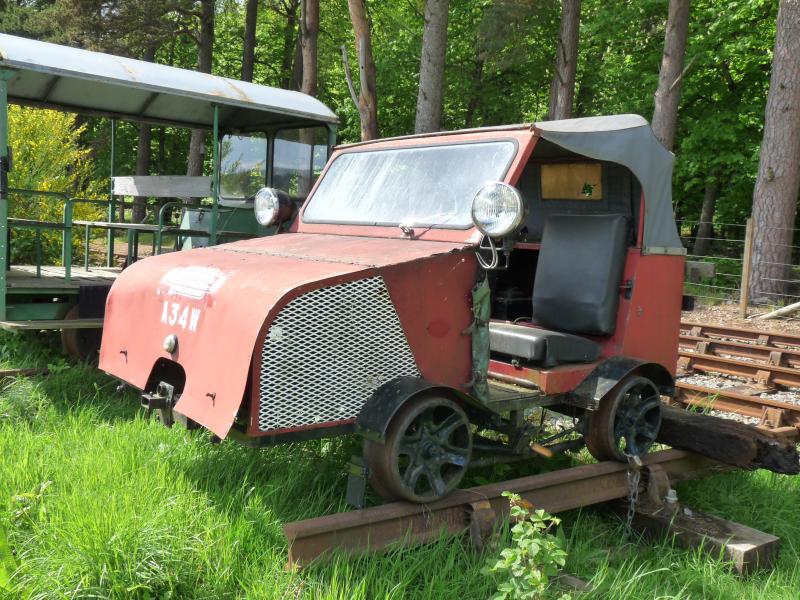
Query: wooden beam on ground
747, 548
727, 441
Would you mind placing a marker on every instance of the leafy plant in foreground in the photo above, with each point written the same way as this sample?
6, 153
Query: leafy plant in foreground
525, 568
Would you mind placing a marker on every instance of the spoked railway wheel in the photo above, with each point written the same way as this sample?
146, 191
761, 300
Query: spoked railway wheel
426, 452
627, 422
81, 344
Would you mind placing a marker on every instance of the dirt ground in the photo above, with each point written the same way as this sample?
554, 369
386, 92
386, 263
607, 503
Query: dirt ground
728, 316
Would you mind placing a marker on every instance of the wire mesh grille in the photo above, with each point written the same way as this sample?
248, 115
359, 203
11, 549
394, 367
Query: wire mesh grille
327, 351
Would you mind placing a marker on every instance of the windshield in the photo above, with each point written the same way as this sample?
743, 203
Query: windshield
432, 185
243, 165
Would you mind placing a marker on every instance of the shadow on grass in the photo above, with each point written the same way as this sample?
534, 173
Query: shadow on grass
66, 388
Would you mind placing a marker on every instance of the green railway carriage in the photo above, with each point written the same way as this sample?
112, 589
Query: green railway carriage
261, 136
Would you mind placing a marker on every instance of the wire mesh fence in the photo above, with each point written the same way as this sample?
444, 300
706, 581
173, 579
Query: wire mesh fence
718, 272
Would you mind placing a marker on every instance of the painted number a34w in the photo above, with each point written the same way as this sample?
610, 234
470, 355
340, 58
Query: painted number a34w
185, 317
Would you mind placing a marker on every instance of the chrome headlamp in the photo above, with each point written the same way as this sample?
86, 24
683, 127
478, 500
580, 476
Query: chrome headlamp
272, 206
498, 210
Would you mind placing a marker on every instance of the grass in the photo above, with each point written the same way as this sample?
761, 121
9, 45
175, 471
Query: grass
99, 503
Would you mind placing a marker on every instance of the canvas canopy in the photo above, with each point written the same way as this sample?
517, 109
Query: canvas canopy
629, 141
50, 75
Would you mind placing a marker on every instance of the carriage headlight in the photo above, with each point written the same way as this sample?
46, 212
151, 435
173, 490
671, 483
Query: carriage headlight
498, 209
272, 206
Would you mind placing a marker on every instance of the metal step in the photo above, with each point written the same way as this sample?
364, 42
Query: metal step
52, 324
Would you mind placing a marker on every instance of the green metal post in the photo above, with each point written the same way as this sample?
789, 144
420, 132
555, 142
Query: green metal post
212, 237
38, 252
4, 78
270, 158
111, 203
331, 138
66, 250
86, 249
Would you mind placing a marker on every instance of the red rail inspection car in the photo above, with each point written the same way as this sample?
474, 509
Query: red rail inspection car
432, 289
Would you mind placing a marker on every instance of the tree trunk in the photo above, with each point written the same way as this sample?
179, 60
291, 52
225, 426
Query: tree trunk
291, 68
143, 152
309, 32
249, 46
775, 194
367, 97
162, 151
476, 84
705, 230
205, 50
142, 168
670, 77
431, 68
562, 89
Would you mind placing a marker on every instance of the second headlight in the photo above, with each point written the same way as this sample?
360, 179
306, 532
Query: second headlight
272, 207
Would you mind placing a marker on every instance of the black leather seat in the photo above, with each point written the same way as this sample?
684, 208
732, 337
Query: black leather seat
538, 345
577, 290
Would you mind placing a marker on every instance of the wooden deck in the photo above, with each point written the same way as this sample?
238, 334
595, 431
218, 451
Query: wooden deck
24, 277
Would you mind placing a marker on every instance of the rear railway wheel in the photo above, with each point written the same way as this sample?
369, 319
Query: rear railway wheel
426, 452
81, 344
627, 422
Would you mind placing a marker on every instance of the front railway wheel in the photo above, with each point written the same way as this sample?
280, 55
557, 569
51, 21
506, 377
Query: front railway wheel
426, 452
81, 345
627, 421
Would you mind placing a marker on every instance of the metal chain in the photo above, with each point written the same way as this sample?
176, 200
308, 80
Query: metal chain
634, 474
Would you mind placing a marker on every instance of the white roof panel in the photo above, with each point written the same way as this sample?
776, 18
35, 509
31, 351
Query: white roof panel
96, 83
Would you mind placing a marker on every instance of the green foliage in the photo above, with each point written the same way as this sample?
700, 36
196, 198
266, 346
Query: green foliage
525, 569
7, 563
48, 156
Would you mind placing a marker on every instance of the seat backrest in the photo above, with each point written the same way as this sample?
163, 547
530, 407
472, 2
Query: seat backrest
579, 273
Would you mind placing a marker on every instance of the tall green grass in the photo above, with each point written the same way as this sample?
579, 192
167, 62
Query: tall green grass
99, 503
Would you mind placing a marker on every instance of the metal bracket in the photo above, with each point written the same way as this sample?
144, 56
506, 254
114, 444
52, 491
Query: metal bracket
764, 379
773, 417
162, 400
658, 485
684, 365
358, 473
776, 358
482, 518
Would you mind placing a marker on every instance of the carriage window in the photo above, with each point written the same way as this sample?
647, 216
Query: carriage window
243, 165
572, 181
300, 155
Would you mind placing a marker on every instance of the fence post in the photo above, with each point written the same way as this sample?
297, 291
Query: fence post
744, 296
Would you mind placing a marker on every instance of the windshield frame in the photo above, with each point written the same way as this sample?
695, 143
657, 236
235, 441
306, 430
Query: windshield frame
383, 147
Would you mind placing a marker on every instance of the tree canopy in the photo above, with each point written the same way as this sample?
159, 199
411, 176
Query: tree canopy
499, 65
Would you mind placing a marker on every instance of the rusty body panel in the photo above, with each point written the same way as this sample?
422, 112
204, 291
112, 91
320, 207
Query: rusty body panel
217, 300
434, 311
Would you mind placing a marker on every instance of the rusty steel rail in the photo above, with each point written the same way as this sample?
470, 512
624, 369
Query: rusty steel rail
767, 354
743, 404
765, 375
752, 336
7, 373
372, 529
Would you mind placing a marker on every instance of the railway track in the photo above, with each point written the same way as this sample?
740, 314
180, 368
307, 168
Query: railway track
478, 509
768, 360
752, 336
